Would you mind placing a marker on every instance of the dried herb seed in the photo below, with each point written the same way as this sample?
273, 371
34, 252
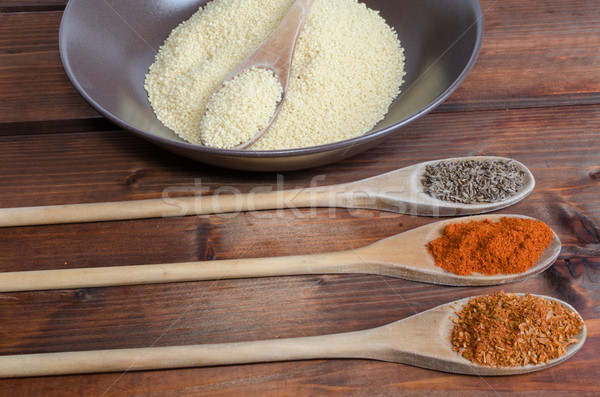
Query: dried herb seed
473, 181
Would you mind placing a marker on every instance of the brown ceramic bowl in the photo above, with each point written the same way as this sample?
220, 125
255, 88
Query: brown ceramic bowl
107, 47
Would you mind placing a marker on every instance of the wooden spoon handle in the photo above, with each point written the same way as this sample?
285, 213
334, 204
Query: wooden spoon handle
336, 262
165, 207
124, 360
277, 51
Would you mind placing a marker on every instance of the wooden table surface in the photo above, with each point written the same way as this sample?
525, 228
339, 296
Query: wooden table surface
533, 95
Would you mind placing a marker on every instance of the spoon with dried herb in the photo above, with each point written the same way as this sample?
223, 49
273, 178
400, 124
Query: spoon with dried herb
406, 255
432, 188
425, 340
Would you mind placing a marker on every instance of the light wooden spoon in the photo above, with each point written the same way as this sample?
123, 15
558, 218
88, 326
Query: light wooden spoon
275, 54
404, 255
422, 340
398, 191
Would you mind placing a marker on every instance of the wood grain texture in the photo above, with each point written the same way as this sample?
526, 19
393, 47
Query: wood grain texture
11, 4
33, 83
31, 5
119, 166
533, 96
534, 54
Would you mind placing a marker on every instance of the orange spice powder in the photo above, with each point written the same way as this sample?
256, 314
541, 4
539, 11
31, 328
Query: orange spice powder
508, 330
509, 246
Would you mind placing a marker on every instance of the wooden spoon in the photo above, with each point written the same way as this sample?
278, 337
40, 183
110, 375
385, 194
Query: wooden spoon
421, 340
404, 256
398, 191
275, 54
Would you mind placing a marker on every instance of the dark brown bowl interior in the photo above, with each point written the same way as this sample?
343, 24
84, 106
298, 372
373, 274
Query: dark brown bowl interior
107, 47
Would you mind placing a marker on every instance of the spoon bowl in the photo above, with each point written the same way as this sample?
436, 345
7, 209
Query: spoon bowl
404, 256
422, 340
402, 191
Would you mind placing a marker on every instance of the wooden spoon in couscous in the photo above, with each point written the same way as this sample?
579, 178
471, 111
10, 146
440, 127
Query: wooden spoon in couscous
347, 69
248, 100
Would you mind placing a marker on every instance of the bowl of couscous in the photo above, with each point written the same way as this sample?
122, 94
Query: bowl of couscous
361, 71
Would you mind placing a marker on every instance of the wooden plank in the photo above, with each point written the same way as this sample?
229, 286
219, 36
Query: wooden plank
57, 126
534, 54
31, 5
33, 83
558, 144
246, 310
38, 170
524, 54
232, 310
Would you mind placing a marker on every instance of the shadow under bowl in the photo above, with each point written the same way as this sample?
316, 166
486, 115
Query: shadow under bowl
107, 47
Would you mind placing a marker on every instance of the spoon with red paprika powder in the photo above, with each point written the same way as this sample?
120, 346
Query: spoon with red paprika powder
488, 257
423, 340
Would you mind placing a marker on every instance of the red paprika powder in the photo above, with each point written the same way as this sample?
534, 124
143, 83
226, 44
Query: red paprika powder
509, 246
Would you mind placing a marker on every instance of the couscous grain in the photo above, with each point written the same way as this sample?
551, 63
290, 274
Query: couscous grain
240, 109
347, 69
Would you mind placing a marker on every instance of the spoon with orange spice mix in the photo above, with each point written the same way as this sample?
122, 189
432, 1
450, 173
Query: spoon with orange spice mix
499, 334
505, 248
